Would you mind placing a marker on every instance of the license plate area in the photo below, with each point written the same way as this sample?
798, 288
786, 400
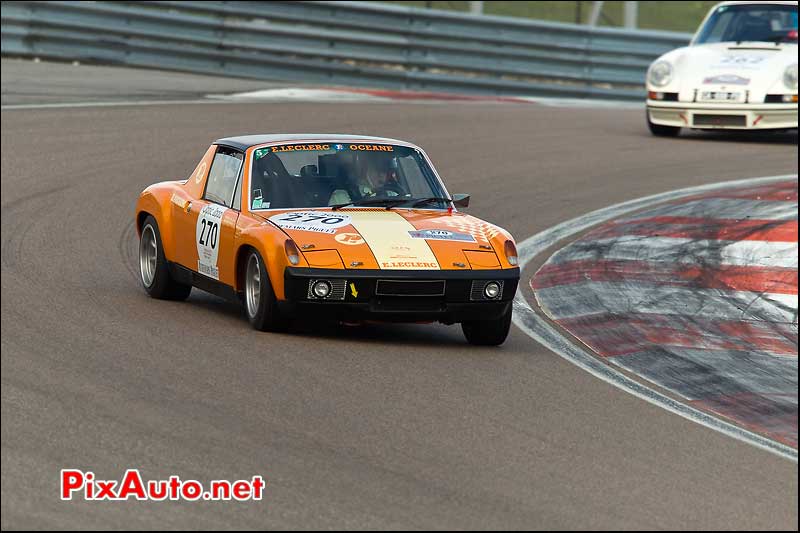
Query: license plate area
721, 96
401, 287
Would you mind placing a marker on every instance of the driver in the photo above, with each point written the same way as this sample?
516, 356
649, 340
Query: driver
380, 178
376, 176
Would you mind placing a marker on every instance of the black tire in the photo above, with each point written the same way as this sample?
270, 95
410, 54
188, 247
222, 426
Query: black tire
262, 311
161, 285
662, 131
488, 332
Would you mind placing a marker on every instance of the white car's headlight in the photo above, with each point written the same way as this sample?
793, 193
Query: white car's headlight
659, 74
790, 77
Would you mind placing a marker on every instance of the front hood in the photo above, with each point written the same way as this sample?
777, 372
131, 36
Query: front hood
755, 67
398, 239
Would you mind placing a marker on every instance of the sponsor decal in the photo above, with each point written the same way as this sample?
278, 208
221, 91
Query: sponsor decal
317, 221
301, 148
349, 238
441, 235
410, 264
207, 239
323, 147
401, 251
258, 202
201, 171
727, 79
372, 147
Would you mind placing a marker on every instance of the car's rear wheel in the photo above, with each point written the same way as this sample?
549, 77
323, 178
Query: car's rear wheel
153, 270
488, 332
662, 131
260, 304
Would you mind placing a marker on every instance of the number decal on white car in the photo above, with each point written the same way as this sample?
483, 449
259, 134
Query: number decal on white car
750, 62
207, 239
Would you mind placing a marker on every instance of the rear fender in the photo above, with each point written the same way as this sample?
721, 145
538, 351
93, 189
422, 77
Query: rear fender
156, 200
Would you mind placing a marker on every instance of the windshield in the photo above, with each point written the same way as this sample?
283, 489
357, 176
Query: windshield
751, 22
332, 174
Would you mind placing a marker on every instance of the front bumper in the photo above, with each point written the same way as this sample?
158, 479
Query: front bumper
722, 116
455, 303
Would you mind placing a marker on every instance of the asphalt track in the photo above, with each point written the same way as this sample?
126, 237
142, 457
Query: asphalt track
371, 427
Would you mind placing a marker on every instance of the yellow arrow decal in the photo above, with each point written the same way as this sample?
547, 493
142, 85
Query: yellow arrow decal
353, 290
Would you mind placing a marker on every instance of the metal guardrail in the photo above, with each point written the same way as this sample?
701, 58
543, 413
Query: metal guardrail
342, 43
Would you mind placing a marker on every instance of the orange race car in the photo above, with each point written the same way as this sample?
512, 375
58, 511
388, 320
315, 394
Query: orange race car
347, 227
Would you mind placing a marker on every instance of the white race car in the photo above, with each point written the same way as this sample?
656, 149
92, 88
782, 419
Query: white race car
739, 72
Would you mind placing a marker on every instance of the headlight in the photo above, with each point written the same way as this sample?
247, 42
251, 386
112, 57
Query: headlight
790, 77
292, 253
511, 253
659, 74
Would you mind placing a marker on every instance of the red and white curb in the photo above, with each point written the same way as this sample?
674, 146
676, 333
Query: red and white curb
697, 295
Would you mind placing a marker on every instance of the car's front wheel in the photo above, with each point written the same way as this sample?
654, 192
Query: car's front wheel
260, 304
153, 270
662, 131
488, 332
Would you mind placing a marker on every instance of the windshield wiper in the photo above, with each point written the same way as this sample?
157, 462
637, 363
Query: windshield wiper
422, 201
782, 39
774, 40
371, 201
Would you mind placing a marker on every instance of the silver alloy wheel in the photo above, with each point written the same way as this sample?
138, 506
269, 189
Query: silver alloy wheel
148, 255
252, 286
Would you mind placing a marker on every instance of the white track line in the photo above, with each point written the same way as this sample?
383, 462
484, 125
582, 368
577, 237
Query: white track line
302, 94
120, 103
544, 333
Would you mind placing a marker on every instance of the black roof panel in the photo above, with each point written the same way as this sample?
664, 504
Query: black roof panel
243, 142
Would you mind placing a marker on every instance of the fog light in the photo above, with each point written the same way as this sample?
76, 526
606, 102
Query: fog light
321, 289
789, 98
654, 95
492, 290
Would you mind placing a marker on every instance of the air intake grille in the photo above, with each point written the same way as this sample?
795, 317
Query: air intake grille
720, 120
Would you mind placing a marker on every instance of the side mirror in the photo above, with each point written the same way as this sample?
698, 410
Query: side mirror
461, 200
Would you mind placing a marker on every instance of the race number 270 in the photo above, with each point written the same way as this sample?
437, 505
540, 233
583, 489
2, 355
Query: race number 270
208, 233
